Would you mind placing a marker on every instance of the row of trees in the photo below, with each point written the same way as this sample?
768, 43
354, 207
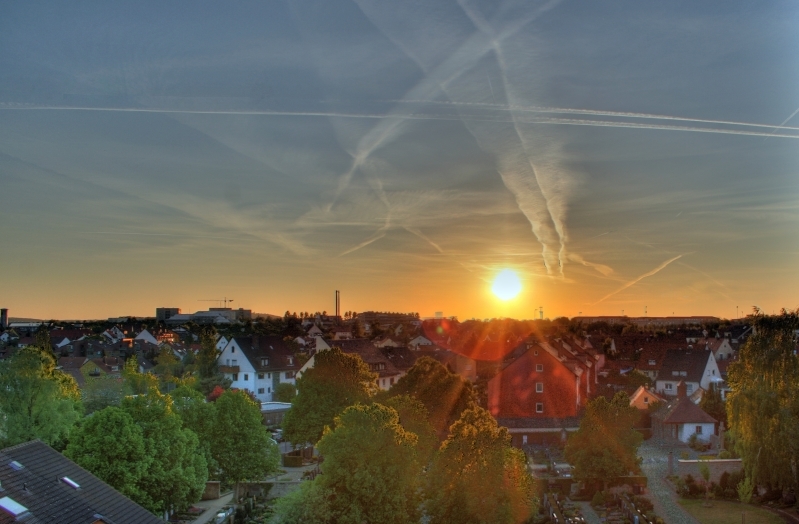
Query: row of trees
422, 448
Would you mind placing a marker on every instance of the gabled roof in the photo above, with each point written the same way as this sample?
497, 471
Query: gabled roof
402, 357
38, 486
692, 362
267, 353
370, 354
684, 411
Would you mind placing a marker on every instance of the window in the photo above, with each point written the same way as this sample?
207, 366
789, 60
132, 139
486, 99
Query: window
246, 376
268, 375
235, 376
233, 349
524, 440
536, 354
291, 361
683, 373
689, 387
651, 362
539, 368
235, 362
668, 386
290, 374
714, 371
646, 400
260, 376
675, 373
539, 387
698, 430
264, 361
260, 391
539, 407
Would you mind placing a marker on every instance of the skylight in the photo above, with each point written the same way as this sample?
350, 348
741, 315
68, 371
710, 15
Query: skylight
69, 482
11, 506
16, 466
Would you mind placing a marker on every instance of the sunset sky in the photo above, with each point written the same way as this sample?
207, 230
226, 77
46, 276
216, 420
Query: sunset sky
614, 155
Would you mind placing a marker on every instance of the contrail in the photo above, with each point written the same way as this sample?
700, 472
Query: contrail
597, 112
784, 122
377, 236
424, 237
635, 281
601, 268
422, 116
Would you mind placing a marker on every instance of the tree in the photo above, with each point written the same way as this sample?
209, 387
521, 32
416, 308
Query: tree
37, 400
136, 382
445, 395
336, 381
206, 358
477, 477
414, 417
605, 445
111, 446
309, 503
198, 416
240, 443
177, 475
763, 402
284, 392
371, 466
713, 405
101, 392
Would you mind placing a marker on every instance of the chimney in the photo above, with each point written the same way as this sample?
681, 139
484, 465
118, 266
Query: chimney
682, 390
3, 318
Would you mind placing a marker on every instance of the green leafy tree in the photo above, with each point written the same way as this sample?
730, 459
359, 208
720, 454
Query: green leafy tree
445, 395
284, 392
713, 404
198, 416
101, 392
37, 400
336, 381
176, 477
414, 417
240, 443
605, 445
111, 446
371, 466
310, 503
136, 382
763, 404
206, 358
477, 477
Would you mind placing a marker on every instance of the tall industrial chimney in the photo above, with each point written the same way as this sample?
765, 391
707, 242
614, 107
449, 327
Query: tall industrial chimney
3, 318
338, 304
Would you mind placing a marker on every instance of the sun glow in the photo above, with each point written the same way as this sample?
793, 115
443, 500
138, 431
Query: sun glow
506, 285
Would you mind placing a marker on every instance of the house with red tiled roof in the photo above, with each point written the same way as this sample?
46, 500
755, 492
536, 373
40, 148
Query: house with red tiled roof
541, 392
681, 418
644, 397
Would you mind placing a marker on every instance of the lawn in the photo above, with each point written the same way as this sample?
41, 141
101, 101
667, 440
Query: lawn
724, 512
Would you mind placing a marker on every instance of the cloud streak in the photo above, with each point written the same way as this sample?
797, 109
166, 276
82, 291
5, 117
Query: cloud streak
640, 278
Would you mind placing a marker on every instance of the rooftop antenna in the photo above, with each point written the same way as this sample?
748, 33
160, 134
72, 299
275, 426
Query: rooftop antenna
219, 301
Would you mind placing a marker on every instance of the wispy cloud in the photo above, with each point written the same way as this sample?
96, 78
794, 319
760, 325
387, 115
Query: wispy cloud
640, 278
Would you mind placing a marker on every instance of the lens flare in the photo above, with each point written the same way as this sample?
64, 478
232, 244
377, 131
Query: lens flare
506, 285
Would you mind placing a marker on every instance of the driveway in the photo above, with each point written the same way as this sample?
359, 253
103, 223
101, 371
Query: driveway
655, 466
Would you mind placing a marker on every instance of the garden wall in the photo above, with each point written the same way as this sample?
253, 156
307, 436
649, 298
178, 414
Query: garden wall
716, 467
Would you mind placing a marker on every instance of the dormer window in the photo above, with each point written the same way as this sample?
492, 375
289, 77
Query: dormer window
264, 362
291, 361
675, 373
651, 362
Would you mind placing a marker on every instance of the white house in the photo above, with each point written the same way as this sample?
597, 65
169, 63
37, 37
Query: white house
681, 418
221, 343
258, 364
697, 368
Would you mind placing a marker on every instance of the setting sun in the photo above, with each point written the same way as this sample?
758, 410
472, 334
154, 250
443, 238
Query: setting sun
506, 285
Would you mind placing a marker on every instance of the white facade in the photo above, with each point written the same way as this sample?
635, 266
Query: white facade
702, 431
667, 385
260, 384
146, 336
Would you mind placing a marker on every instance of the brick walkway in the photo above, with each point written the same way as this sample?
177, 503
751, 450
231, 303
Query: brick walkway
655, 467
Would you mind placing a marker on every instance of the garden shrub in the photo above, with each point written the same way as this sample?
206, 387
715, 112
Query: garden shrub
598, 500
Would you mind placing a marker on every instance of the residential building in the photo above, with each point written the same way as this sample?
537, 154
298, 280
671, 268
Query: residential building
258, 364
697, 368
39, 484
681, 418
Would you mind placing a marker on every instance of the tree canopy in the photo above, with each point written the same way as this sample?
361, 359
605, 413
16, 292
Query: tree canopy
111, 445
477, 477
337, 381
605, 445
177, 475
763, 404
37, 400
371, 466
445, 395
240, 443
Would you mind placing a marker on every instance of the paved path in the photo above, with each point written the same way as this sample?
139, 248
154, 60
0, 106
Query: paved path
213, 506
655, 467
588, 512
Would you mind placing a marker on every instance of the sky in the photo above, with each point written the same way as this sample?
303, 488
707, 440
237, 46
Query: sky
620, 157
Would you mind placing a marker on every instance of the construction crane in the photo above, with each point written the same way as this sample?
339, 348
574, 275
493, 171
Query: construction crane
219, 301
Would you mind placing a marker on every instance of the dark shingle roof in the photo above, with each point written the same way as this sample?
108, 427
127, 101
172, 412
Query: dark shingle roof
693, 363
39, 488
684, 411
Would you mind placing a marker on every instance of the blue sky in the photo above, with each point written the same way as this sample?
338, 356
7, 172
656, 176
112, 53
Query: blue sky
616, 155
